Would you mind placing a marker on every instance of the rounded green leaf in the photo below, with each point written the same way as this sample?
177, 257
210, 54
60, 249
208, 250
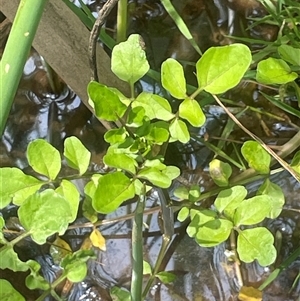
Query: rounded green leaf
78, 157
179, 131
16, 187
10, 260
155, 106
256, 244
155, 176
120, 160
69, 191
172, 78
172, 172
252, 211
256, 156
274, 71
114, 136
275, 193
34, 280
44, 214
44, 158
290, 54
8, 293
222, 68
190, 110
295, 164
181, 192
128, 60
229, 199
113, 189
183, 214
220, 172
194, 193
214, 232
166, 277
106, 102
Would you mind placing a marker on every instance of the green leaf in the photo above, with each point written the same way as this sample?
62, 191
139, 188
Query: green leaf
274, 71
45, 213
257, 244
179, 131
120, 160
10, 260
34, 280
181, 192
106, 102
222, 68
8, 293
155, 176
295, 164
220, 172
44, 158
114, 136
274, 192
199, 218
78, 157
155, 106
166, 277
172, 172
194, 193
88, 210
214, 232
146, 268
183, 214
155, 163
252, 211
229, 199
136, 117
290, 54
172, 78
75, 265
256, 156
69, 191
190, 110
119, 294
59, 249
128, 60
3, 241
158, 135
113, 189
16, 186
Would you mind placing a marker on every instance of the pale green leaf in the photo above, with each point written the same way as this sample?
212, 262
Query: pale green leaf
165, 277
179, 131
295, 164
214, 232
274, 71
172, 172
229, 199
78, 157
44, 158
256, 244
34, 280
120, 160
194, 193
290, 54
256, 156
106, 102
8, 292
113, 189
10, 260
220, 172
172, 78
252, 211
44, 214
183, 214
181, 192
3, 241
16, 187
119, 294
275, 193
114, 136
128, 60
155, 106
155, 176
190, 110
69, 191
222, 68
147, 270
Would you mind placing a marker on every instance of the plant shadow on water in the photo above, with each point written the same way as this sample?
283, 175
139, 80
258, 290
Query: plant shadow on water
202, 273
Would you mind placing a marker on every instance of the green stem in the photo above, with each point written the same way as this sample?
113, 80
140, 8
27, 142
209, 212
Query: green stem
16, 240
122, 21
137, 249
16, 51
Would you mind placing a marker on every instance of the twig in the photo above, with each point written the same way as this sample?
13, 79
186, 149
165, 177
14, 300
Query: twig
102, 15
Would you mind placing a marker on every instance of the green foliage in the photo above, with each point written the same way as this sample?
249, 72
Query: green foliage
256, 156
8, 293
220, 172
